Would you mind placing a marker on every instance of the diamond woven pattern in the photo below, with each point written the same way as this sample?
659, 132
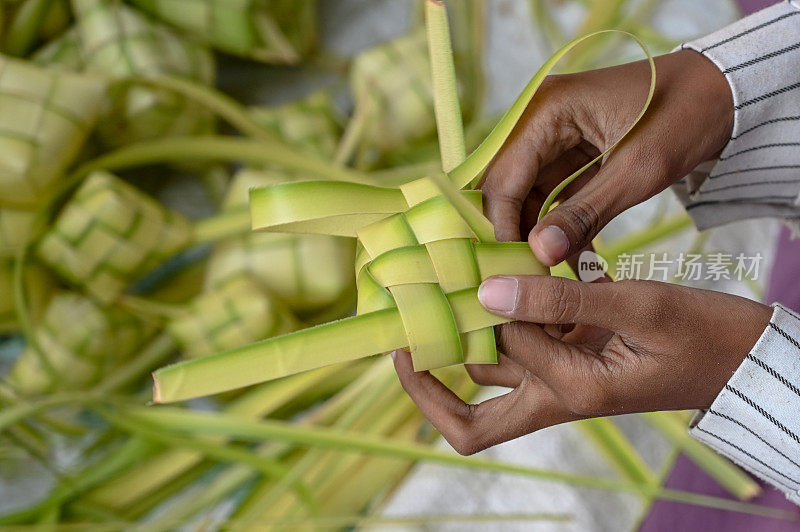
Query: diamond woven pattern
116, 41
81, 341
393, 90
235, 313
45, 115
309, 124
270, 31
110, 233
415, 252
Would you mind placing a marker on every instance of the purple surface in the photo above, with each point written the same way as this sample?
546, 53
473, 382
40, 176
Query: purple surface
783, 284
751, 6
667, 516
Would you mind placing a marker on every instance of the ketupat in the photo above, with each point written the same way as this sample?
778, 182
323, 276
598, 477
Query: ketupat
234, 312
278, 31
392, 91
116, 41
108, 234
45, 116
80, 343
310, 124
391, 87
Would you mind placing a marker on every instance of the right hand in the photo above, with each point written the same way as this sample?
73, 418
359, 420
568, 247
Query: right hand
639, 346
574, 117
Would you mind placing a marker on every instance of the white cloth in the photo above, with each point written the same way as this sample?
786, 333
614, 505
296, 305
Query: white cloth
755, 420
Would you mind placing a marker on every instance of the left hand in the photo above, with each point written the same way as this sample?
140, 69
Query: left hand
637, 346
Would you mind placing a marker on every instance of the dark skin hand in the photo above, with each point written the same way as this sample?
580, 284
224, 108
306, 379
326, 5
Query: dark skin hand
635, 346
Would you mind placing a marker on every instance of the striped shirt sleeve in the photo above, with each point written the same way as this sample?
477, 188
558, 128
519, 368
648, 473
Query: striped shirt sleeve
754, 421
758, 172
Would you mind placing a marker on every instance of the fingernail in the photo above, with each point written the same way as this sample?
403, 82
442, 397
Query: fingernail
498, 293
553, 242
393, 354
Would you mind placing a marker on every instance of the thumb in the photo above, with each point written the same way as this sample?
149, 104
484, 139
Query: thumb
573, 224
555, 300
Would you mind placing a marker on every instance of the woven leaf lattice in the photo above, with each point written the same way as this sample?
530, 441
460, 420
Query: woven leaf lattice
118, 42
412, 259
393, 92
81, 341
270, 31
309, 124
306, 272
45, 115
408, 295
108, 234
235, 313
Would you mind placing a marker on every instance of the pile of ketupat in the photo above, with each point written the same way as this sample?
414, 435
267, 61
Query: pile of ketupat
105, 283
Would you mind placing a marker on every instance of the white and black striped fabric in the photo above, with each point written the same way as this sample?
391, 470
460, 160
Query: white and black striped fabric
755, 420
758, 172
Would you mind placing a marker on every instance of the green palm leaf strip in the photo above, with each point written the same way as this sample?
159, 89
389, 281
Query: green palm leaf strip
620, 452
180, 421
287, 265
445, 90
134, 483
673, 426
206, 148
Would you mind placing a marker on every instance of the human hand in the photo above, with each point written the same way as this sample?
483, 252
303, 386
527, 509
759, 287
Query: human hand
637, 346
575, 117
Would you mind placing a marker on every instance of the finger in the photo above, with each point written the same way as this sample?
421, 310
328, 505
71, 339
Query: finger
506, 373
545, 132
472, 428
573, 224
546, 357
548, 299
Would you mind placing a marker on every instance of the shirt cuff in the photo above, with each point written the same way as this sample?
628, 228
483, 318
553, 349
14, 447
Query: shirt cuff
758, 173
754, 420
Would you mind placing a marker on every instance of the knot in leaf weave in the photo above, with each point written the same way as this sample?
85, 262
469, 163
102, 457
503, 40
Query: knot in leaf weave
416, 252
